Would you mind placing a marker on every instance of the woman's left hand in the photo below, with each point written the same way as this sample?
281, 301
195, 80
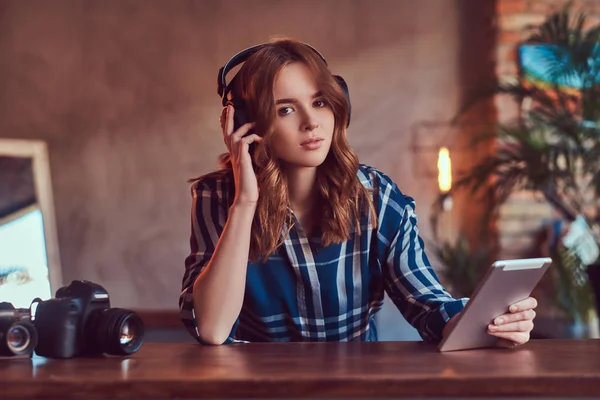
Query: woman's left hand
515, 326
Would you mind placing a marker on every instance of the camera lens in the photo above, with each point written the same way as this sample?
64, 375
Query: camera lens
118, 331
18, 338
128, 332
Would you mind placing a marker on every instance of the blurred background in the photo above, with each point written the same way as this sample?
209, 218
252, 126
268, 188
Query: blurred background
108, 107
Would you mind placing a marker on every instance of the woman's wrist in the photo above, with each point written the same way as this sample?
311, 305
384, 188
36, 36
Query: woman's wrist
243, 206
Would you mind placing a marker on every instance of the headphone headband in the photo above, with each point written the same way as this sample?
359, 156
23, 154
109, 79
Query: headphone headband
241, 57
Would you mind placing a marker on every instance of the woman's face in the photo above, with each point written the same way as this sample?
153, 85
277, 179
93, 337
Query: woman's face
304, 121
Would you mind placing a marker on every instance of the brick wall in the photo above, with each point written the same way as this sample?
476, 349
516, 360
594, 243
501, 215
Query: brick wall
524, 214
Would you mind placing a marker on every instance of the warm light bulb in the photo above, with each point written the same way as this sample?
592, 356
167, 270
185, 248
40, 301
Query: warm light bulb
444, 170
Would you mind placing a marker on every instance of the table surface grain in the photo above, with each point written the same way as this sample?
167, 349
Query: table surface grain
275, 370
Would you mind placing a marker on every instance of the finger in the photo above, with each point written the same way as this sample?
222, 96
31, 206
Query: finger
519, 326
229, 111
222, 118
527, 304
527, 315
242, 130
252, 138
516, 337
241, 149
245, 142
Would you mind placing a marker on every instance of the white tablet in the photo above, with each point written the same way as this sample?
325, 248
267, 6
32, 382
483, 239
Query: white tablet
505, 283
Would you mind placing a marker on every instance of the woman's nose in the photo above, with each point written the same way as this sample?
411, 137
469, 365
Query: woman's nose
309, 121
312, 125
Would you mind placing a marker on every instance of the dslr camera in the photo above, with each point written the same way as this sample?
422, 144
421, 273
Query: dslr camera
18, 336
80, 322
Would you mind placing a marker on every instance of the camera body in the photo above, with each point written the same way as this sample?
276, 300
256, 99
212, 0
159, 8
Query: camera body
18, 336
80, 322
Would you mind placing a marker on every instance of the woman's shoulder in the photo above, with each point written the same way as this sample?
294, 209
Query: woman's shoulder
372, 178
217, 182
384, 189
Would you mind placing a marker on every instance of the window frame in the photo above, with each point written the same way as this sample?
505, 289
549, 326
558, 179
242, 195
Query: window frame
37, 150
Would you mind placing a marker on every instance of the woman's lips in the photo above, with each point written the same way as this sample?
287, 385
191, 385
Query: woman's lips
313, 144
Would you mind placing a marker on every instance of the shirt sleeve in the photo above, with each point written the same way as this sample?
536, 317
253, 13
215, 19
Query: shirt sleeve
209, 213
409, 279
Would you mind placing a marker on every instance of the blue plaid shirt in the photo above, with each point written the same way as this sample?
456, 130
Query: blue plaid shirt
307, 292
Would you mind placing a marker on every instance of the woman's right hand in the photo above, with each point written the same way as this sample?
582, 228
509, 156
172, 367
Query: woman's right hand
246, 185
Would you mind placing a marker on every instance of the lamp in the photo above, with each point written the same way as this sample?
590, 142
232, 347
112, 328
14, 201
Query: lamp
445, 185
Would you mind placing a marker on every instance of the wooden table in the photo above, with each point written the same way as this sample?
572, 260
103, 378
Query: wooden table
565, 368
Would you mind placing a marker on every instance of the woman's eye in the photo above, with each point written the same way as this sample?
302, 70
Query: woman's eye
284, 110
320, 103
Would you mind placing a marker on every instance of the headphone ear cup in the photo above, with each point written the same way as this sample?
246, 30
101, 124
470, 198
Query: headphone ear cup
240, 114
220, 88
344, 87
241, 117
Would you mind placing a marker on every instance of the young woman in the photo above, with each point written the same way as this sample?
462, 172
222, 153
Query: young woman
293, 239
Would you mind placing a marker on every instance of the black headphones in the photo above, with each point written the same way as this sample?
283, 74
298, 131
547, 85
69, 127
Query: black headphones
240, 116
